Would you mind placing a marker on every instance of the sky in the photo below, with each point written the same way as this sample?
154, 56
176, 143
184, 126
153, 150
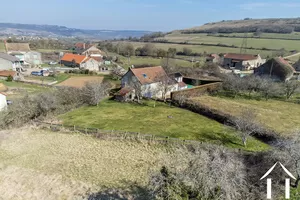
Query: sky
152, 15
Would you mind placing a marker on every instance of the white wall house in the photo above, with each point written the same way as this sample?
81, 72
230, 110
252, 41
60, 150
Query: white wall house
3, 102
8, 62
151, 80
242, 61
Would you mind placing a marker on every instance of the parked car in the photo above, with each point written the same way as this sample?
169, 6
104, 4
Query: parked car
36, 73
52, 63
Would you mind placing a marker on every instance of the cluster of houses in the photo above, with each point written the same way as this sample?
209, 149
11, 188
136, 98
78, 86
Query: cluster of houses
86, 56
153, 82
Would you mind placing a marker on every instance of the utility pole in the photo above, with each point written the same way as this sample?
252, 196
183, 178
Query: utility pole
244, 45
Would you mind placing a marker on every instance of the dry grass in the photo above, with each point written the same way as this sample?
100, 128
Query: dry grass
277, 115
37, 164
3, 88
79, 81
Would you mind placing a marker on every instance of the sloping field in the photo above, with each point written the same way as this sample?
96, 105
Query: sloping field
162, 120
79, 81
37, 164
280, 116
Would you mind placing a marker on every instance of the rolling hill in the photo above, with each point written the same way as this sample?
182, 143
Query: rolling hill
279, 25
8, 29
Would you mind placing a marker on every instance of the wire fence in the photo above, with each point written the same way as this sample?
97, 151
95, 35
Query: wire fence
115, 134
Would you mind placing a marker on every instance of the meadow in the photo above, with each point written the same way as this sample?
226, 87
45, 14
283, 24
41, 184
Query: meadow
276, 115
161, 120
51, 165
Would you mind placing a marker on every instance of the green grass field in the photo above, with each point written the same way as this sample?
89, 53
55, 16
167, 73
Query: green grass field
111, 115
203, 48
280, 116
59, 78
136, 60
17, 89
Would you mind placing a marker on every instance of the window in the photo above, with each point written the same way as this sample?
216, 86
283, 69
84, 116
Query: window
144, 75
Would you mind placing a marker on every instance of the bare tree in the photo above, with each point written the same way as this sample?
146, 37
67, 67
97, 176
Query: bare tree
136, 85
246, 125
291, 146
165, 84
233, 84
269, 88
93, 92
290, 88
180, 98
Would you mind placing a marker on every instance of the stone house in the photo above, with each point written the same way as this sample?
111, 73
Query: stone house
8, 62
80, 61
24, 54
242, 61
277, 68
150, 81
5, 74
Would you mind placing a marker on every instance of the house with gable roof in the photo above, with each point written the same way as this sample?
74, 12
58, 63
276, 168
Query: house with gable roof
242, 61
153, 82
23, 52
80, 61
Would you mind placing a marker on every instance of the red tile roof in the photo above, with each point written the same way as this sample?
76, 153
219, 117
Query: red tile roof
286, 63
6, 73
82, 45
181, 84
148, 75
98, 58
69, 57
243, 57
124, 91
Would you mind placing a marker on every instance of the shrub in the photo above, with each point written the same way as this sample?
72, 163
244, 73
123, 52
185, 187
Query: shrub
9, 78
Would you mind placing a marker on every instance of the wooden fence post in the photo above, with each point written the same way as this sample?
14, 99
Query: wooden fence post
85, 130
74, 128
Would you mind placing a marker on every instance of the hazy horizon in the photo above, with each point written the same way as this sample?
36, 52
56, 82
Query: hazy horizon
146, 15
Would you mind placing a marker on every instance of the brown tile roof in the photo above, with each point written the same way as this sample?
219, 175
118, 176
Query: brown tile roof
98, 58
69, 57
17, 47
6, 73
243, 57
124, 91
148, 75
181, 84
82, 45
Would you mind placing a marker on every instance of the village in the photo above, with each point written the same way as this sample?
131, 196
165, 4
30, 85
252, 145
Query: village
231, 102
21, 64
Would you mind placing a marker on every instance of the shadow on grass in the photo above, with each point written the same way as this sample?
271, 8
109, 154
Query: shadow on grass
221, 138
133, 192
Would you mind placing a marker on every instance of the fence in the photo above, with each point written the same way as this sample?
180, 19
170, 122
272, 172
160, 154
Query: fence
115, 134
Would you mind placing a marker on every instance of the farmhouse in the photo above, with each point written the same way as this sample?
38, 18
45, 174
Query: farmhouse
3, 102
24, 54
242, 61
149, 82
5, 74
278, 68
80, 47
8, 62
81, 61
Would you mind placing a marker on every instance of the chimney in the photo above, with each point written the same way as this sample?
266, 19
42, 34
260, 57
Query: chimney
83, 45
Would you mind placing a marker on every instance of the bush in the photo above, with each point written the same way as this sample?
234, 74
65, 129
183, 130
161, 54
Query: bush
9, 78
